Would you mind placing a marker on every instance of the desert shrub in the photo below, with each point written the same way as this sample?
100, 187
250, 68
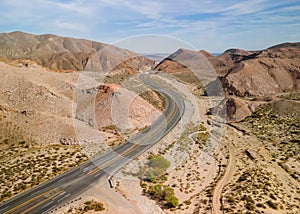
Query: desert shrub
158, 166
168, 191
244, 176
272, 204
187, 202
93, 205
156, 191
230, 199
260, 205
143, 185
158, 171
150, 176
272, 196
202, 128
248, 199
250, 206
159, 162
203, 137
165, 193
172, 201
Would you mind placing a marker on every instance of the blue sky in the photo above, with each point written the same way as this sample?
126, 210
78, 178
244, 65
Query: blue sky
213, 25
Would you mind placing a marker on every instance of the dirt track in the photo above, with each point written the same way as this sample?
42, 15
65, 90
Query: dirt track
216, 203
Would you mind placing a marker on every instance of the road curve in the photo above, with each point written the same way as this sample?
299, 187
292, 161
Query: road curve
66, 187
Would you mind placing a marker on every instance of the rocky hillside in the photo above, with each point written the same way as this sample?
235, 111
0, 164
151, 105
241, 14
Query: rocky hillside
45, 107
245, 73
260, 73
53, 118
69, 54
175, 62
254, 74
190, 67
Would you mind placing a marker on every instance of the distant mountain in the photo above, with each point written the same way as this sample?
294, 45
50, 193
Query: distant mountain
242, 74
64, 53
259, 73
264, 74
183, 60
205, 53
171, 63
285, 45
245, 73
157, 57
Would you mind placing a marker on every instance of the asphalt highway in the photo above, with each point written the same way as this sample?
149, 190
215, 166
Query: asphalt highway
64, 188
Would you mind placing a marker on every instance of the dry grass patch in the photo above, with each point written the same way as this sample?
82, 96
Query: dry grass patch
87, 207
25, 164
278, 126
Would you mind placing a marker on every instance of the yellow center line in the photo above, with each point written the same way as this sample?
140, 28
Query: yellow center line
38, 204
26, 202
98, 168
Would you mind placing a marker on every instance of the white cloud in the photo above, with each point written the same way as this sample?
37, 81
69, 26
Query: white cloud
210, 23
245, 7
149, 8
78, 7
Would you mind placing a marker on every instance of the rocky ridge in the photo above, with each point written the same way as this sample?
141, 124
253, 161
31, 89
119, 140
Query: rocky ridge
243, 74
69, 54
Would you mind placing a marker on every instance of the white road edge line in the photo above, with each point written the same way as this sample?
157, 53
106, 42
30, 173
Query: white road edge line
59, 195
66, 196
47, 204
5, 208
49, 209
60, 179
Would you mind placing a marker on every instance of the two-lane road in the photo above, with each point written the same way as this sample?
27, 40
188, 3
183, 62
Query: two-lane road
61, 189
